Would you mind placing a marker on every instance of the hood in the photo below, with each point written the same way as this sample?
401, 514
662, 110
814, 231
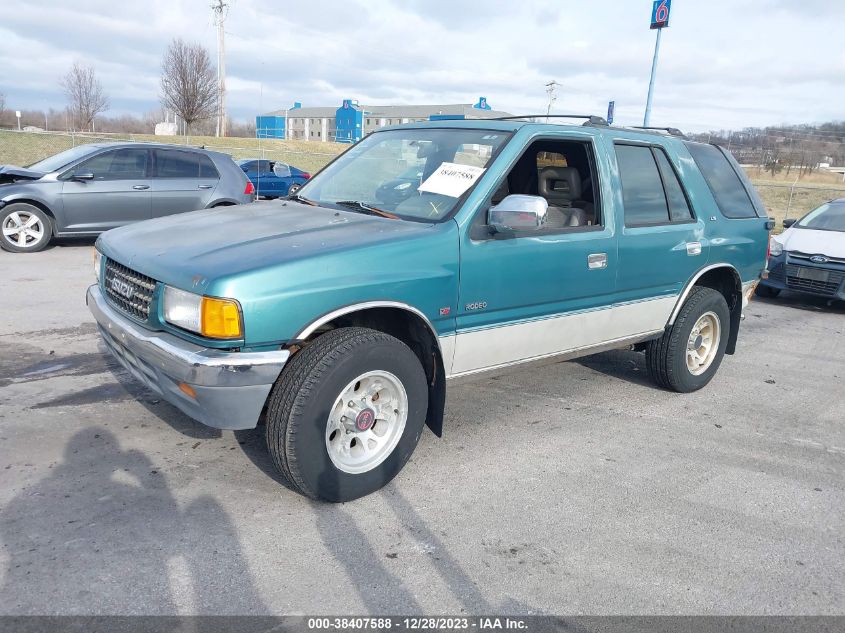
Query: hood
193, 249
814, 242
10, 173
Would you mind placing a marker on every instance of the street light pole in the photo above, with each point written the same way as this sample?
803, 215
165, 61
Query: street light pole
647, 117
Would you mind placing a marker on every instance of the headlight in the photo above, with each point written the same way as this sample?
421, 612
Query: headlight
208, 316
98, 264
775, 248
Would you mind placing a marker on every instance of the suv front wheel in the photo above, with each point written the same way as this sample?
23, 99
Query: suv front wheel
688, 354
346, 413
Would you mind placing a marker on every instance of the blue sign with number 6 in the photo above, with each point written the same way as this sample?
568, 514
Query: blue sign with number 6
660, 14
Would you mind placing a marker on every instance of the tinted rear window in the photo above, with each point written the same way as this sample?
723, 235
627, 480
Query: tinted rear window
725, 184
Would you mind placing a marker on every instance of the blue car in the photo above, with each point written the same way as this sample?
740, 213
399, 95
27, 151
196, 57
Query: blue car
273, 179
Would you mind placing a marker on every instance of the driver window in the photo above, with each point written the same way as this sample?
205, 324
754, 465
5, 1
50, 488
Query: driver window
562, 173
120, 164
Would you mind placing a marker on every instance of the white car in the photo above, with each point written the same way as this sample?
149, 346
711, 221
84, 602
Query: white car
809, 256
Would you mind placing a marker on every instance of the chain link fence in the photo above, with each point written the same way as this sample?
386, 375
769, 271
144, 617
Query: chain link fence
25, 148
793, 200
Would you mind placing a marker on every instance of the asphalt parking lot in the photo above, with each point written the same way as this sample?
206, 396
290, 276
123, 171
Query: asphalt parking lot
571, 488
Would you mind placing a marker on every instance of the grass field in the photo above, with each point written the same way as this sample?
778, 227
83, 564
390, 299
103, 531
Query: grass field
20, 148
784, 195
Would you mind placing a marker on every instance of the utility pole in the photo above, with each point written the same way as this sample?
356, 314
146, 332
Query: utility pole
221, 10
550, 90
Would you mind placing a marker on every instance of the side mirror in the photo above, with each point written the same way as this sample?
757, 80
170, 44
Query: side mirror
87, 175
518, 212
788, 222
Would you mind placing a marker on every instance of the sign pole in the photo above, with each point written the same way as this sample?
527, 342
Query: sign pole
659, 20
647, 118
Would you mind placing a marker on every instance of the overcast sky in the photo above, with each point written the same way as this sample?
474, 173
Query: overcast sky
723, 63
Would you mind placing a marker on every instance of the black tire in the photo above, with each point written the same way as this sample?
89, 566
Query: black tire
11, 214
299, 406
767, 291
666, 357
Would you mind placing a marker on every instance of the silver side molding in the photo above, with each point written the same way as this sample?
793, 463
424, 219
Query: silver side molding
559, 357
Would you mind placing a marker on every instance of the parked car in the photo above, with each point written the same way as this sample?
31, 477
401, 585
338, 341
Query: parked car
809, 256
93, 188
338, 320
273, 179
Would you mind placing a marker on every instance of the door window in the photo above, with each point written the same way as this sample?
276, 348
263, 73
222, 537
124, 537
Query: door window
176, 164
119, 164
561, 172
207, 168
651, 191
281, 170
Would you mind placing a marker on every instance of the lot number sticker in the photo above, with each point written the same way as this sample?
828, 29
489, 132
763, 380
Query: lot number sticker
452, 179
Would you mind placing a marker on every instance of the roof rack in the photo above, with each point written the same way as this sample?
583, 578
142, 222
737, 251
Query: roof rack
591, 119
671, 131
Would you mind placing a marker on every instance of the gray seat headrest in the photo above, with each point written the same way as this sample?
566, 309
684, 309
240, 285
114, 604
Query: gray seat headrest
560, 183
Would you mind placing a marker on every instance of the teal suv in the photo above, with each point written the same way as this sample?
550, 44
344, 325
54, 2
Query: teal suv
336, 317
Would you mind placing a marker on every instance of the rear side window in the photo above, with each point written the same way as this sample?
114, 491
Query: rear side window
176, 164
725, 184
651, 192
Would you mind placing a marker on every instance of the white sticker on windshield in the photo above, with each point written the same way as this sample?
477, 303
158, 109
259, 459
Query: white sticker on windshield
451, 179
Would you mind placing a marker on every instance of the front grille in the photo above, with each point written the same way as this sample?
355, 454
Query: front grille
828, 287
128, 290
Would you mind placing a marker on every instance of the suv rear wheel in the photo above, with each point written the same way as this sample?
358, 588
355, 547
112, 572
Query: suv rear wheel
346, 414
25, 228
688, 354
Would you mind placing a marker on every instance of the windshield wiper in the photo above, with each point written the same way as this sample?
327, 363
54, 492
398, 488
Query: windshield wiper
296, 197
365, 208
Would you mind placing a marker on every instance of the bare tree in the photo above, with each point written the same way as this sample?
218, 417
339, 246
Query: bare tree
2, 104
85, 95
188, 82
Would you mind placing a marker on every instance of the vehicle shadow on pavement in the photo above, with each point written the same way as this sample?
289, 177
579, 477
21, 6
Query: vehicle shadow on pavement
103, 534
803, 302
154, 403
622, 364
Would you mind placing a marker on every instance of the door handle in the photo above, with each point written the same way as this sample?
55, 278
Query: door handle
596, 261
205, 186
693, 248
140, 187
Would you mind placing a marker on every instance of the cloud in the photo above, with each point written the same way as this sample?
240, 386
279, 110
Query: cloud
723, 63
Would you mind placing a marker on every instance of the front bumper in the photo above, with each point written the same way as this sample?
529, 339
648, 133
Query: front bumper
783, 275
229, 388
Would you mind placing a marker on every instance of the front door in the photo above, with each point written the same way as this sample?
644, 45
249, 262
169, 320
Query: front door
536, 294
118, 193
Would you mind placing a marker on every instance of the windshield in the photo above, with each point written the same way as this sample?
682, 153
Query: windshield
828, 217
55, 163
414, 174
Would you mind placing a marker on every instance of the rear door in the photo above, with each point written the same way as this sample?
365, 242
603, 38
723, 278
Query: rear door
182, 181
661, 241
118, 194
